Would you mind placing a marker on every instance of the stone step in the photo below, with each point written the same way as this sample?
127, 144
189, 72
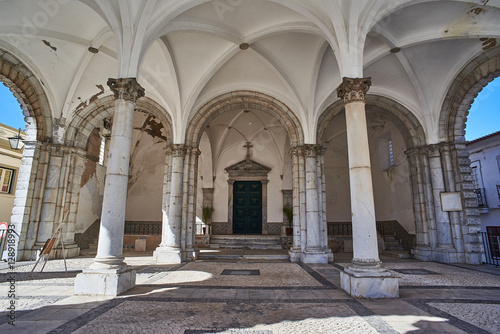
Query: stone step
398, 254
246, 241
242, 254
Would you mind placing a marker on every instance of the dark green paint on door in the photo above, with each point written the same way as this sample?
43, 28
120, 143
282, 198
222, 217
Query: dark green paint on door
247, 207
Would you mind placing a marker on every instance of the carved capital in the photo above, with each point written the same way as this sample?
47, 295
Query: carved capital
311, 150
353, 89
433, 151
126, 89
178, 150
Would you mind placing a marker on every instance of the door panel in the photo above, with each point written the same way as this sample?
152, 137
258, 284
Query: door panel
247, 207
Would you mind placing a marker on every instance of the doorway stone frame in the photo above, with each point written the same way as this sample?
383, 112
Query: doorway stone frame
247, 170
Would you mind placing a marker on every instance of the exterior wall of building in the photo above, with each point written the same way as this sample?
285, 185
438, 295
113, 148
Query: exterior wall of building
485, 161
11, 160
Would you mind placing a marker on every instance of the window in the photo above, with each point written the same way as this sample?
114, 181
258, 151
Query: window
391, 153
102, 151
6, 180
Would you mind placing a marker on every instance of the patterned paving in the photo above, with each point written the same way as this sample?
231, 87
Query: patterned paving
196, 298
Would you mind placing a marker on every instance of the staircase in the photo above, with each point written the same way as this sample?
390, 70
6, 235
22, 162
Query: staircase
91, 251
250, 241
393, 248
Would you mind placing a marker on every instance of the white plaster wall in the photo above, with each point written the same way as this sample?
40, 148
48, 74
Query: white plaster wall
147, 162
483, 155
90, 200
393, 199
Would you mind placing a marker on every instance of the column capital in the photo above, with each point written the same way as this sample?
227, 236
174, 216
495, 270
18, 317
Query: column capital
312, 150
178, 150
126, 89
354, 89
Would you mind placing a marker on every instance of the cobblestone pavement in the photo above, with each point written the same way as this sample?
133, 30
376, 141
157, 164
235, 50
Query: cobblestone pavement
253, 297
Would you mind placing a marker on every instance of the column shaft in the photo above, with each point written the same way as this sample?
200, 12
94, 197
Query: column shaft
364, 233
110, 247
365, 278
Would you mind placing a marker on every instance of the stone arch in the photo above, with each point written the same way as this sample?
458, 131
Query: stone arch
90, 117
407, 124
462, 92
242, 100
29, 92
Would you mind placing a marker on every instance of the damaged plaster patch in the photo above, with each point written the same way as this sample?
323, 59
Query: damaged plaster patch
49, 45
92, 99
152, 127
488, 43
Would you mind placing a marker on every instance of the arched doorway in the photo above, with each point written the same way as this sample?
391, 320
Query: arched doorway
151, 135
394, 134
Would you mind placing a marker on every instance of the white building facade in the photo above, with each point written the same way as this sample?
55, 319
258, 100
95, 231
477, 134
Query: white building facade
352, 111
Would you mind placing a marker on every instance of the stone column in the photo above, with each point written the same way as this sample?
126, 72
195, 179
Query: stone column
50, 211
109, 275
323, 225
167, 173
296, 249
24, 200
170, 250
191, 251
365, 278
314, 252
69, 201
302, 198
422, 250
445, 245
450, 182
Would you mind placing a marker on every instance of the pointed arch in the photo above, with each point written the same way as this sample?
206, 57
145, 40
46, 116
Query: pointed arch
90, 117
29, 91
409, 126
462, 92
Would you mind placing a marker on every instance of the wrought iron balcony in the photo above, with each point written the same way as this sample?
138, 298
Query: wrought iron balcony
481, 198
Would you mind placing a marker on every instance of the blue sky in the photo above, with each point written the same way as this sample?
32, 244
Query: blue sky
483, 119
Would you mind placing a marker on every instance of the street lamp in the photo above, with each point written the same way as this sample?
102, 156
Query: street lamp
16, 143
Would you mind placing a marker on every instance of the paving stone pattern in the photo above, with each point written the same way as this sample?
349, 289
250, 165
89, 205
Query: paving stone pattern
194, 298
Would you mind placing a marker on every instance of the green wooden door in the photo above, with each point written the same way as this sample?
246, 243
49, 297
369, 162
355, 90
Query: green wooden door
247, 207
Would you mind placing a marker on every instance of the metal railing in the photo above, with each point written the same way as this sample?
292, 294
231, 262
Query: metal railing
491, 242
340, 230
143, 228
481, 198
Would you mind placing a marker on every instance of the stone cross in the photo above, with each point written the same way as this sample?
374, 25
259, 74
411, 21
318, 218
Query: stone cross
248, 146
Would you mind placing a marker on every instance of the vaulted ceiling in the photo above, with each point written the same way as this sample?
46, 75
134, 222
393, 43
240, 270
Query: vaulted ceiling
186, 52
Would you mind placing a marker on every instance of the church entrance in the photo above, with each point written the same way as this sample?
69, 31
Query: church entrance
247, 207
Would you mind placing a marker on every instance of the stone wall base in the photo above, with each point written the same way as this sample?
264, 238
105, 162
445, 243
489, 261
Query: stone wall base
104, 283
168, 255
448, 256
422, 253
380, 285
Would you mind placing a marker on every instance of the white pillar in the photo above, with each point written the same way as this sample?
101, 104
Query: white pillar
170, 250
296, 250
365, 278
109, 275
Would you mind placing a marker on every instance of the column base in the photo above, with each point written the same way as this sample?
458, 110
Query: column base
168, 255
369, 282
105, 283
191, 254
314, 256
295, 254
